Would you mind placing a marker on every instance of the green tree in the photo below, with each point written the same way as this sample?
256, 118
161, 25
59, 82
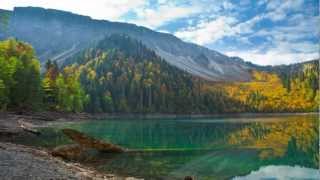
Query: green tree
20, 75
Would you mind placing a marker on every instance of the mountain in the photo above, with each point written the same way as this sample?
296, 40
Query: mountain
58, 35
120, 74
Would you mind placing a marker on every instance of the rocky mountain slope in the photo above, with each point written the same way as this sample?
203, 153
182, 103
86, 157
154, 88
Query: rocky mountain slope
58, 35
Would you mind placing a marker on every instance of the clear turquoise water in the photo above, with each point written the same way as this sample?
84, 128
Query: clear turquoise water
208, 148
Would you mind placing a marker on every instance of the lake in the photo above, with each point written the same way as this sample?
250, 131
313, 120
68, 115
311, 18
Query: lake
206, 148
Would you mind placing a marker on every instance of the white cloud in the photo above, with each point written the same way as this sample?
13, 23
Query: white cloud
278, 10
228, 5
163, 1
208, 31
164, 31
283, 53
298, 30
284, 44
273, 57
190, 22
164, 13
276, 15
99, 9
285, 5
247, 26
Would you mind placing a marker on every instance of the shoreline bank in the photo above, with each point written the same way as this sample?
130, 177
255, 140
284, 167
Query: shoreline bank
160, 115
28, 162
23, 162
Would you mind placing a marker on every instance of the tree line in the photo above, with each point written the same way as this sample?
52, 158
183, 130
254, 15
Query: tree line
121, 75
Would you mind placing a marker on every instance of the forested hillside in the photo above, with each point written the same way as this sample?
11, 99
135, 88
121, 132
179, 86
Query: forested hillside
121, 75
279, 91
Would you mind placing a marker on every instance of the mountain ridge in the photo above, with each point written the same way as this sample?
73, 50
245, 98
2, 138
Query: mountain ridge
57, 35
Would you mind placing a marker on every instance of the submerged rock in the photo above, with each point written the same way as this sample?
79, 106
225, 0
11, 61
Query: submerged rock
89, 142
72, 152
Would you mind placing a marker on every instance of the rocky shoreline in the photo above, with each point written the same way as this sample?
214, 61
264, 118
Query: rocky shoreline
24, 162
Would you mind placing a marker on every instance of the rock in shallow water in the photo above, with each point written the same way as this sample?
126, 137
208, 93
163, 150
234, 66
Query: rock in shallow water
73, 152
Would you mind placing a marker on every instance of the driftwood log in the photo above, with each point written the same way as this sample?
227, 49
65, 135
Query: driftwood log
89, 142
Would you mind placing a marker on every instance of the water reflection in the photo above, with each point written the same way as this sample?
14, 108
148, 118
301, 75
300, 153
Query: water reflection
282, 172
161, 135
178, 164
219, 148
294, 141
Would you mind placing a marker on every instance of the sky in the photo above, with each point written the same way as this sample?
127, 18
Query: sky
265, 32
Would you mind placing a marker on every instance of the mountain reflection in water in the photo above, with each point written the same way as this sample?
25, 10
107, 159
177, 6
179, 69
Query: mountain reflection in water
207, 148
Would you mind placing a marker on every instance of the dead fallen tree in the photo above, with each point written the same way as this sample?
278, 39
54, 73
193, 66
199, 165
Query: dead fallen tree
89, 142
